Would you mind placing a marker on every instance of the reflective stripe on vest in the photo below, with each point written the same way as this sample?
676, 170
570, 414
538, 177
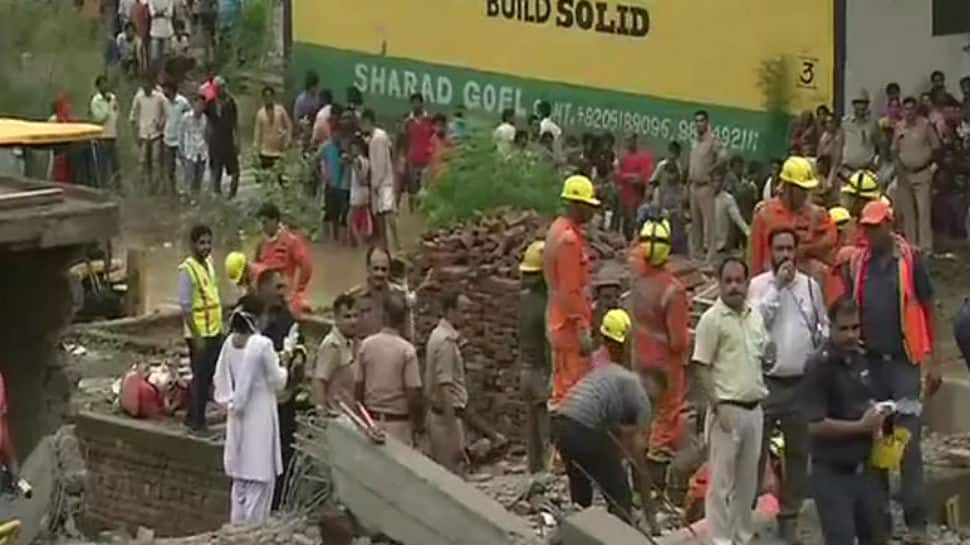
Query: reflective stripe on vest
206, 308
914, 326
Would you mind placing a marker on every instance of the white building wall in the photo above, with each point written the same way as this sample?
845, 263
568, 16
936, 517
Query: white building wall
892, 40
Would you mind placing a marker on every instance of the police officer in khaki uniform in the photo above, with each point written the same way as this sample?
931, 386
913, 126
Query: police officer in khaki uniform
916, 146
706, 153
370, 296
859, 140
388, 375
445, 384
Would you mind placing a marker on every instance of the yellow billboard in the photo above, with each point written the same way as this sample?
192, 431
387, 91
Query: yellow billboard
703, 51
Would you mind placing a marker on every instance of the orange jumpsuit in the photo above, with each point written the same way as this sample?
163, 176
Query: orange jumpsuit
569, 310
853, 238
288, 254
660, 314
816, 237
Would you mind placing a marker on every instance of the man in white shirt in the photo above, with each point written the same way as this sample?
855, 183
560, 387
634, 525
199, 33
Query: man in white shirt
547, 125
383, 198
104, 110
194, 145
148, 119
504, 135
161, 31
176, 106
793, 309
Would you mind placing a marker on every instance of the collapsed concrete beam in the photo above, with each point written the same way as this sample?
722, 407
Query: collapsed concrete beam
593, 526
397, 491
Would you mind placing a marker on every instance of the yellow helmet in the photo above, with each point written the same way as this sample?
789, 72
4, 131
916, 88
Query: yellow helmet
839, 215
655, 239
579, 189
863, 184
616, 325
532, 260
235, 266
799, 171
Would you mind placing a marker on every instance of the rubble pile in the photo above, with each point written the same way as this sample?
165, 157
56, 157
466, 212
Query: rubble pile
480, 258
951, 450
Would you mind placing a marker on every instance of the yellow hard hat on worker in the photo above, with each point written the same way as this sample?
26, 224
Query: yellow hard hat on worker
235, 266
840, 215
579, 189
532, 260
863, 184
655, 240
616, 325
799, 171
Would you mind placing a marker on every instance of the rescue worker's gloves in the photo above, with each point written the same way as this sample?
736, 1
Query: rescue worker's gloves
863, 184
235, 267
799, 171
579, 189
839, 215
655, 240
532, 260
616, 325
585, 342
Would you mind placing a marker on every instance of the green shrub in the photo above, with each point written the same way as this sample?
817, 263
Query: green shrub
47, 49
476, 179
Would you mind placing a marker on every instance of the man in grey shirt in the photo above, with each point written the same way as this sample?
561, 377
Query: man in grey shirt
598, 424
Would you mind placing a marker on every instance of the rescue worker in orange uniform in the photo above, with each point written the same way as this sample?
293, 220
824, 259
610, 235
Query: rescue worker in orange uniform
843, 220
792, 208
284, 251
660, 312
565, 265
892, 286
861, 188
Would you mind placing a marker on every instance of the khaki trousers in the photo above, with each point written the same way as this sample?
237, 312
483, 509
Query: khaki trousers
701, 218
447, 444
913, 199
735, 439
398, 429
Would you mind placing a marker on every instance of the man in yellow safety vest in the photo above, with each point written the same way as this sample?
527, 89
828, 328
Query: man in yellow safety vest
202, 317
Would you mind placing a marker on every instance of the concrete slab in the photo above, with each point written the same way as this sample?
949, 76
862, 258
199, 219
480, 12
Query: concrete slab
397, 491
595, 525
38, 470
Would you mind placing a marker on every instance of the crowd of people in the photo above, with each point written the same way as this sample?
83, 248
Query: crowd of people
840, 365
826, 339
825, 329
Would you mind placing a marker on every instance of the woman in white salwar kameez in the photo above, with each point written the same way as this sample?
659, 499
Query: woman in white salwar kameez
247, 379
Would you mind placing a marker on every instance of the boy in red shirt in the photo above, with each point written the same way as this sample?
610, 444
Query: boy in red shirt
636, 168
418, 131
440, 142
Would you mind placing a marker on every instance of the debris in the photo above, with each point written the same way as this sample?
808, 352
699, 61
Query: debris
480, 258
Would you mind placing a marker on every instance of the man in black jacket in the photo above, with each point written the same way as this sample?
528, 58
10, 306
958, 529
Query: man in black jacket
843, 418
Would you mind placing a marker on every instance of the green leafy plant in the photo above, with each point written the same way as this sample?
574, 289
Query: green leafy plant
774, 77
234, 221
475, 179
46, 50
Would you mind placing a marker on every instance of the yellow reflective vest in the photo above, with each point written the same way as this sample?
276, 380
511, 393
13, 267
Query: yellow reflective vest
206, 307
